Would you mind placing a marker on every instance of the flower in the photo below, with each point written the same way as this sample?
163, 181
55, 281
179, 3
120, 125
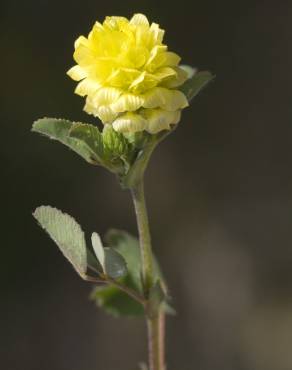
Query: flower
128, 76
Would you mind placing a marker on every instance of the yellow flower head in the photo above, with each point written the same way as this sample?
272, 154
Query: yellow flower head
128, 76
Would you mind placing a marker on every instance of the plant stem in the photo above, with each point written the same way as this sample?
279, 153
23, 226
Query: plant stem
144, 236
132, 293
155, 324
108, 280
156, 333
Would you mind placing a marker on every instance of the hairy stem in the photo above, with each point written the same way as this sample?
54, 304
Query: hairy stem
155, 324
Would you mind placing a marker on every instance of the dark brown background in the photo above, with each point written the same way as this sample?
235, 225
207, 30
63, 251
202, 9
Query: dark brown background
219, 192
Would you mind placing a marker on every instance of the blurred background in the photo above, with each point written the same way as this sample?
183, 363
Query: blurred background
219, 192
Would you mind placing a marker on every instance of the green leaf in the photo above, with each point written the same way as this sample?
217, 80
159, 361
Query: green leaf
92, 263
113, 300
114, 264
196, 83
90, 136
59, 129
128, 246
94, 140
98, 248
66, 233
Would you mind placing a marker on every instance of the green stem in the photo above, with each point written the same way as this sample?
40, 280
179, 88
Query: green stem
132, 293
155, 324
156, 339
144, 236
108, 280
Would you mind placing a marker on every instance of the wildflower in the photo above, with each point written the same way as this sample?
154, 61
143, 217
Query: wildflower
128, 76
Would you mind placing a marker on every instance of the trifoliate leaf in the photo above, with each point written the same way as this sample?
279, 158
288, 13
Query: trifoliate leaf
110, 298
128, 246
111, 148
66, 233
195, 84
90, 136
114, 264
58, 129
98, 248
115, 302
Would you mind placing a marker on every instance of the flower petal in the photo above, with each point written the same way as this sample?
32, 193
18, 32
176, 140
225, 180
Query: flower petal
127, 103
165, 73
139, 19
157, 33
84, 56
123, 77
144, 82
106, 96
87, 87
171, 59
177, 80
115, 23
161, 97
154, 54
81, 41
77, 73
104, 113
159, 119
129, 122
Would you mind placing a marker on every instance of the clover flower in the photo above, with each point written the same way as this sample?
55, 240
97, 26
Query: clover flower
128, 76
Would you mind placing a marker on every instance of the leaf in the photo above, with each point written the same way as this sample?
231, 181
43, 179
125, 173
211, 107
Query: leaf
98, 248
113, 300
66, 233
92, 263
58, 129
110, 298
114, 264
195, 84
128, 246
90, 136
